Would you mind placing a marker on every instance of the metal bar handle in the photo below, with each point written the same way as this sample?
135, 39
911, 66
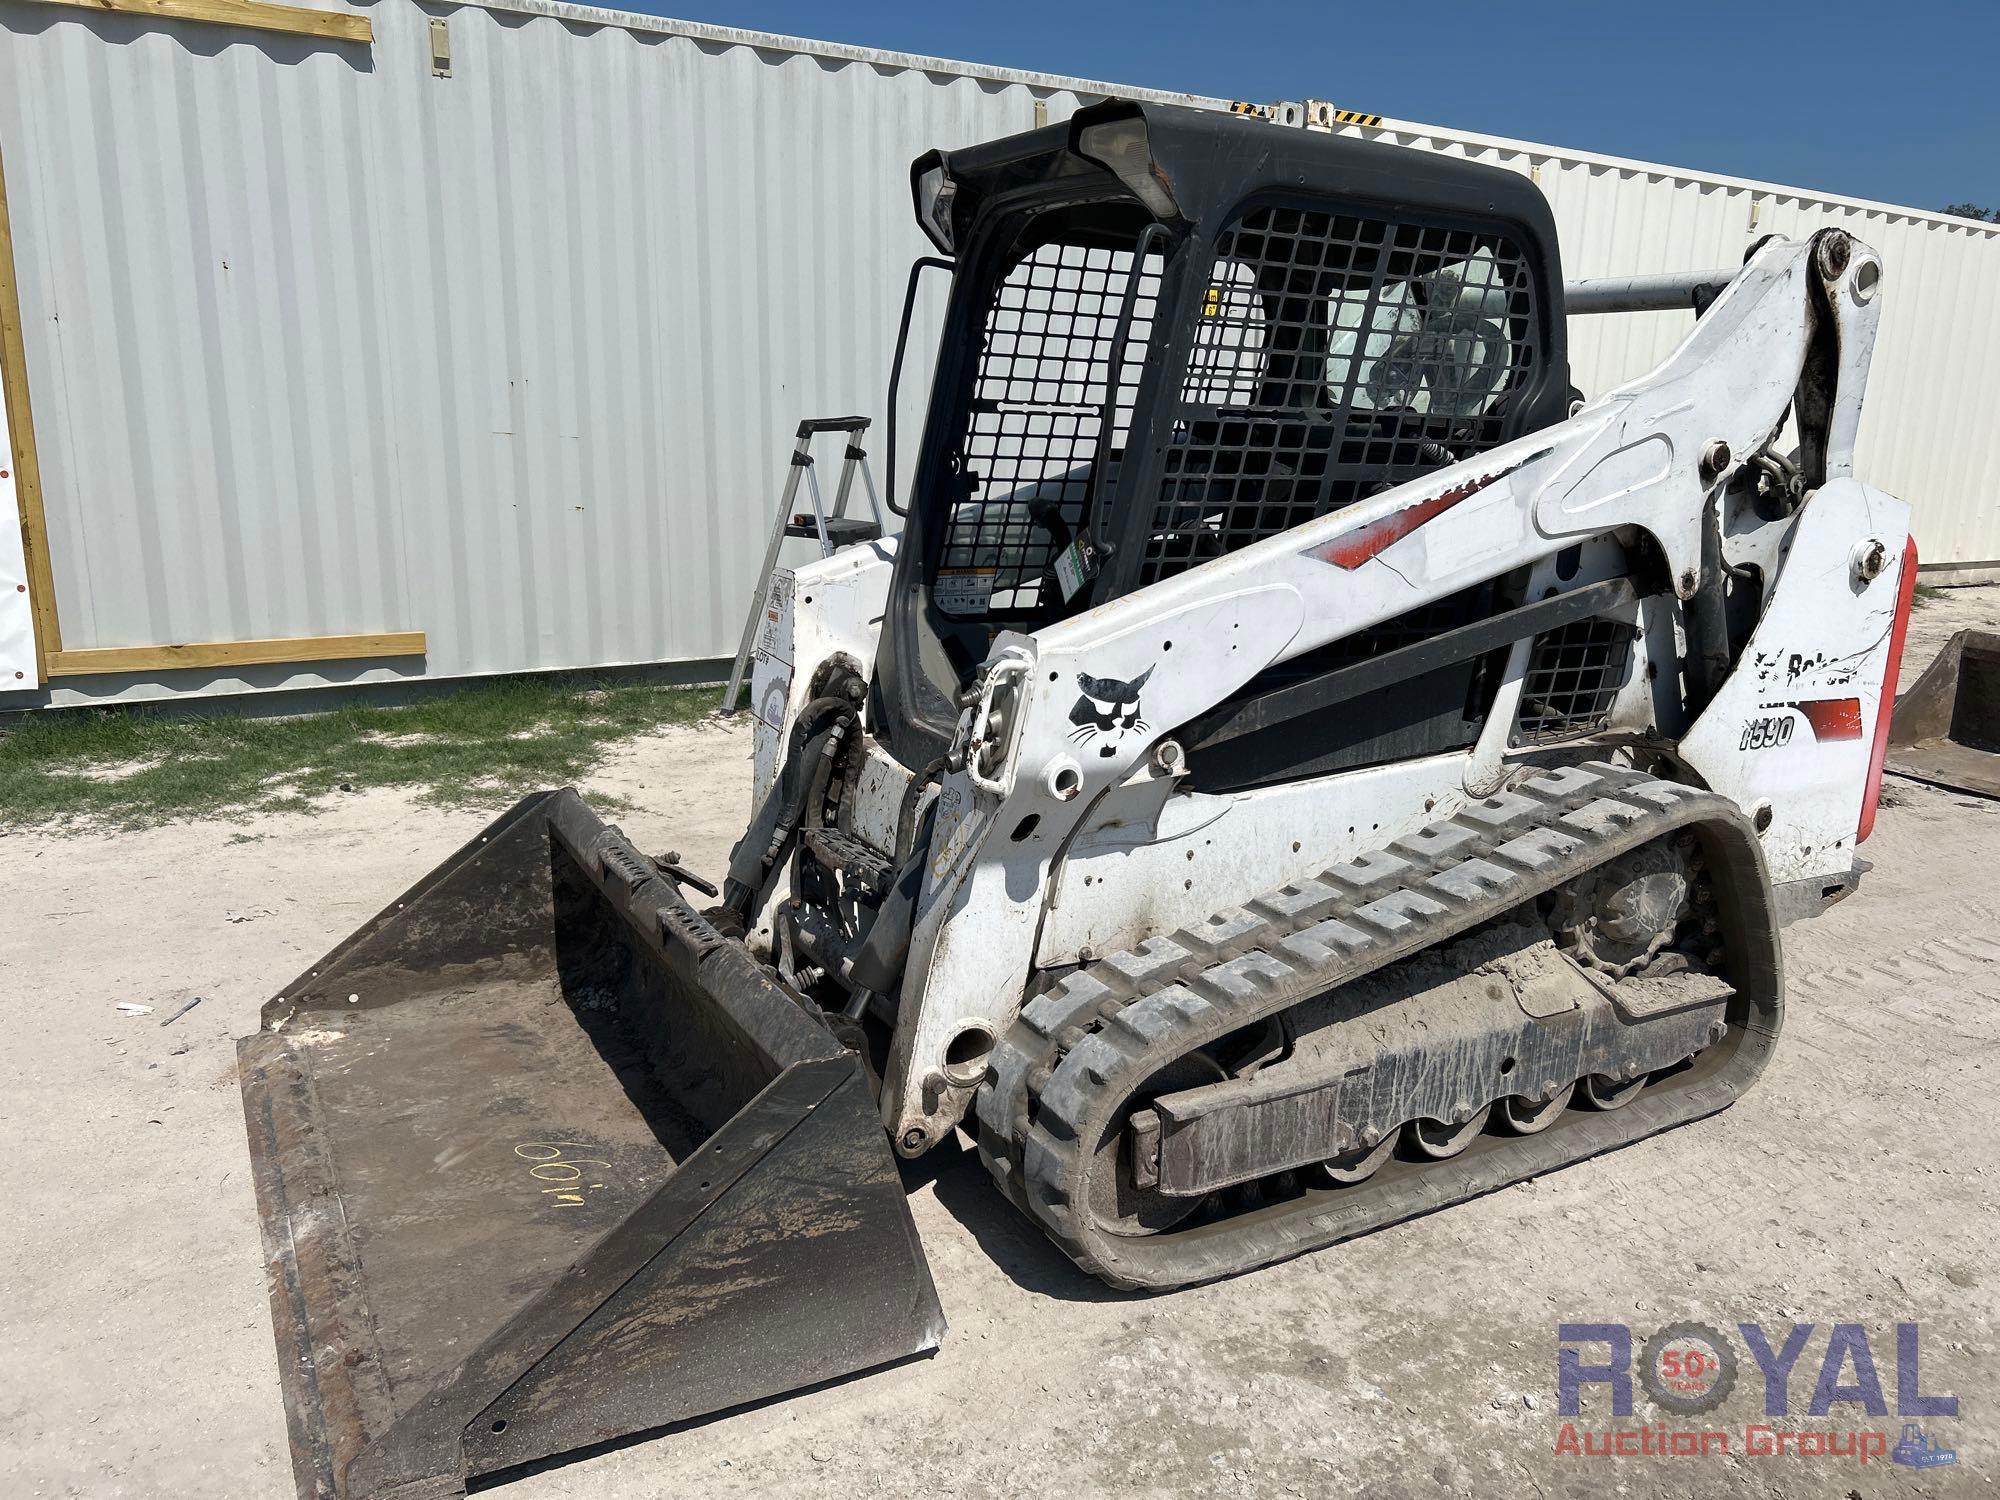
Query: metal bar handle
1114, 373
1671, 291
917, 268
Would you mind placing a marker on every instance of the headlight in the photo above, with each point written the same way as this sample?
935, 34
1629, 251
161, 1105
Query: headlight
1121, 148
935, 193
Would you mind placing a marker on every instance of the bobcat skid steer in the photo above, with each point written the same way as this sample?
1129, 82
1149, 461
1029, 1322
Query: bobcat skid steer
1300, 766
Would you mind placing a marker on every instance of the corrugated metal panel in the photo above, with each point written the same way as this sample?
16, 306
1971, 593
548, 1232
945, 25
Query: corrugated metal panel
323, 344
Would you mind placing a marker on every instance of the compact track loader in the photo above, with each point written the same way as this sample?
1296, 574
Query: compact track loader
1301, 765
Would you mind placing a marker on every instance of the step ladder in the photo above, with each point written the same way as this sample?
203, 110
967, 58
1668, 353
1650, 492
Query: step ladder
832, 529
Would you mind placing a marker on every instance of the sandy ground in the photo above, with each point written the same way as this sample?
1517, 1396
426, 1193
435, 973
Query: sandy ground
1856, 1184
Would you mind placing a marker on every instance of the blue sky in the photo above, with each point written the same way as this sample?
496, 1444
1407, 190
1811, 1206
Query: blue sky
1898, 102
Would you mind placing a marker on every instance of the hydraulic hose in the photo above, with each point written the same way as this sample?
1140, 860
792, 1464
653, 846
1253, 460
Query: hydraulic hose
776, 821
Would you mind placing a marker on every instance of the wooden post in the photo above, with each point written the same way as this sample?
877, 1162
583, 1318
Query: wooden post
27, 468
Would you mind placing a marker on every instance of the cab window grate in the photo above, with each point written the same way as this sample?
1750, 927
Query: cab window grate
1335, 356
1034, 431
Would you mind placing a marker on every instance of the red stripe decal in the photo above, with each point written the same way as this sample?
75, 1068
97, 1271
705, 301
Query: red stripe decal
1906, 588
1364, 542
1372, 538
1832, 718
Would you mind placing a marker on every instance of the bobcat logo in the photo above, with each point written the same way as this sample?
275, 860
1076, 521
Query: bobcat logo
1106, 710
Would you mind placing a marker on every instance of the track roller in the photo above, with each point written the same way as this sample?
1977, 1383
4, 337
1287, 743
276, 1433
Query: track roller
1440, 1140
1520, 1115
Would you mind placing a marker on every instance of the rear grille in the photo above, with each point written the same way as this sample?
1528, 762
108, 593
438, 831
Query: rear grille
1035, 429
1573, 678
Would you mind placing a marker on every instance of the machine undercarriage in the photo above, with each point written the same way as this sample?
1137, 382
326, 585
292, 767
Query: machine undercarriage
1218, 1097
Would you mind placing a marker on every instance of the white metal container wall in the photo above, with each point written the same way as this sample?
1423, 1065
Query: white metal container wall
322, 344
512, 357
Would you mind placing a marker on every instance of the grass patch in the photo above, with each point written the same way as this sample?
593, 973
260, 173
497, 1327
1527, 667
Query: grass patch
482, 746
1925, 593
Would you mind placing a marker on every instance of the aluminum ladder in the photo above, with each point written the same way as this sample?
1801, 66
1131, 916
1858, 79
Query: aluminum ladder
832, 529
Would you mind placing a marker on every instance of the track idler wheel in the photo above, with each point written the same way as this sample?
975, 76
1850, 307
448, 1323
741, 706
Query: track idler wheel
1520, 1115
1119, 1202
1602, 1091
1440, 1140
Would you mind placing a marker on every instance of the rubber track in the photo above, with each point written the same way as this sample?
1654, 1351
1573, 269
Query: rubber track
1076, 1053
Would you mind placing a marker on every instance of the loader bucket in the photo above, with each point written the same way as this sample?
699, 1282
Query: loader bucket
1946, 728
543, 1160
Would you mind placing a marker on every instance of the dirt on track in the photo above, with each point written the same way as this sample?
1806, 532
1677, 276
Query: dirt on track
1856, 1184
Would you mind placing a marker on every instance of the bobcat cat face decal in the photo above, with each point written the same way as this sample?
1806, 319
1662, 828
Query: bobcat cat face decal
1105, 710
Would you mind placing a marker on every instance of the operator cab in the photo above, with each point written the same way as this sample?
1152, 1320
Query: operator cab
1174, 332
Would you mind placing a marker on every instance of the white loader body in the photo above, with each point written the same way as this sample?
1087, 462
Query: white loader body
1051, 846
